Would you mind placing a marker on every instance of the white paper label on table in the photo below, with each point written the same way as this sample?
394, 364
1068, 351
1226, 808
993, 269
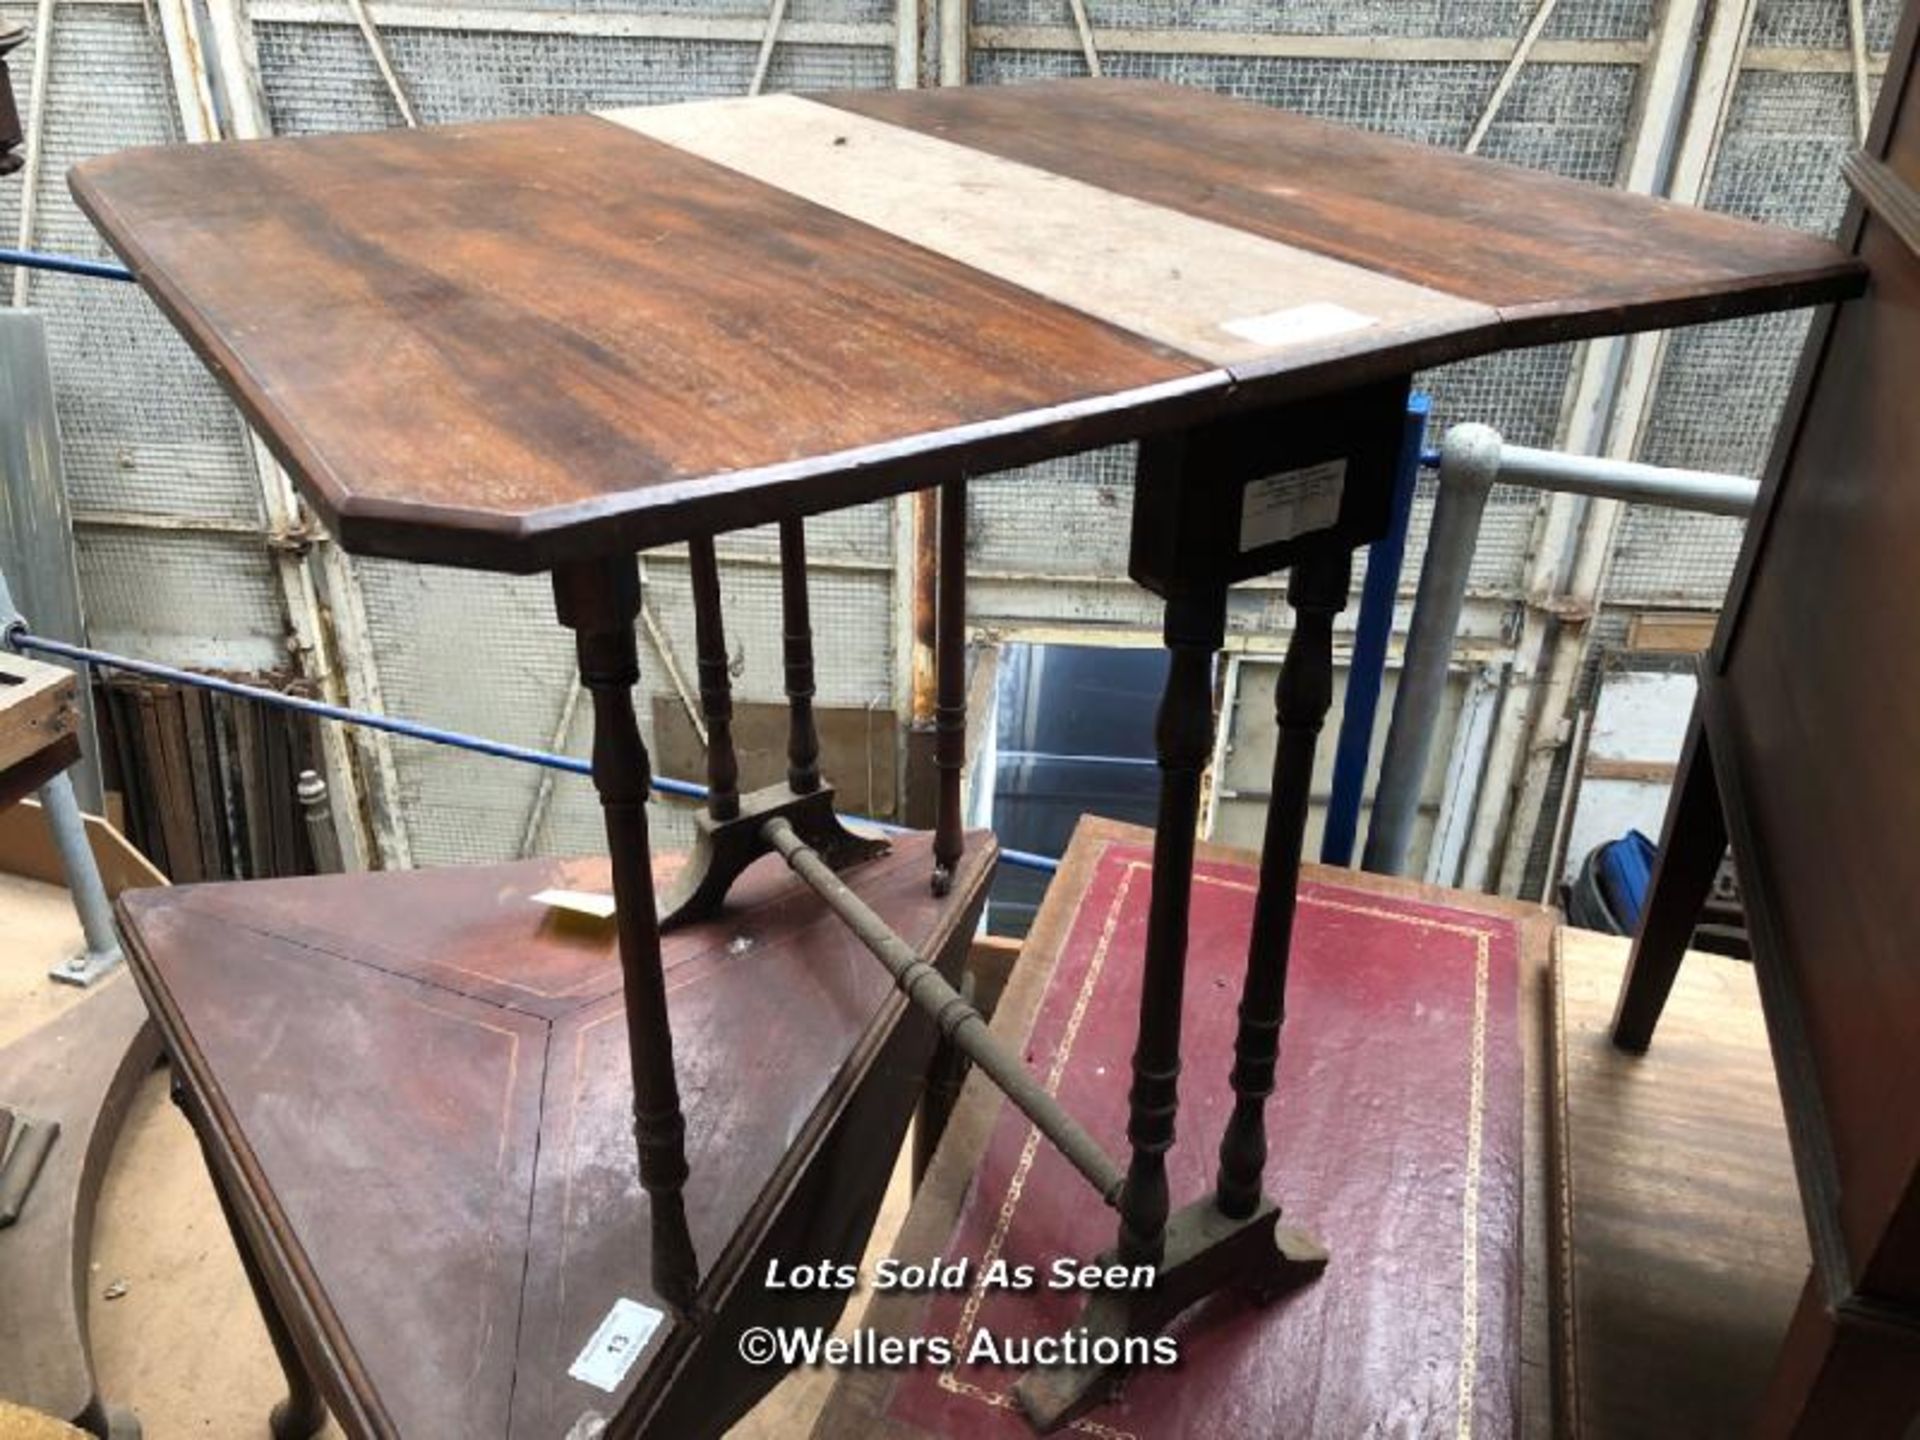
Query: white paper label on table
1291, 503
616, 1345
579, 902
1298, 324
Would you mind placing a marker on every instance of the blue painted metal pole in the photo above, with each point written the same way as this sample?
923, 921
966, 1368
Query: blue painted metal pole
65, 264
1370, 638
17, 637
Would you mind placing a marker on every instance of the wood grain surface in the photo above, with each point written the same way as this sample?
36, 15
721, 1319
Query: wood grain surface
513, 344
417, 1085
1819, 718
1372, 1347
487, 331
37, 708
1194, 284
1555, 257
1682, 1249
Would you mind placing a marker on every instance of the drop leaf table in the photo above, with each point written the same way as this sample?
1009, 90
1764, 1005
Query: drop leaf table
548, 344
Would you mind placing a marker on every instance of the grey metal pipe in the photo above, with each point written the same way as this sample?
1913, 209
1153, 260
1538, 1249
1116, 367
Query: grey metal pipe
1469, 461
1606, 479
62, 809
1472, 460
957, 1019
102, 950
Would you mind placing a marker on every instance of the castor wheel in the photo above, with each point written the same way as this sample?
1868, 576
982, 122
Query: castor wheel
122, 1423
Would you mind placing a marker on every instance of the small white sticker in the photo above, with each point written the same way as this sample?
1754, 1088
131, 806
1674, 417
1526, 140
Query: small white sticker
1299, 324
578, 902
1291, 503
616, 1345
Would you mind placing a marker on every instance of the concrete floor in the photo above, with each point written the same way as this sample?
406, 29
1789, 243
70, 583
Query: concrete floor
176, 1335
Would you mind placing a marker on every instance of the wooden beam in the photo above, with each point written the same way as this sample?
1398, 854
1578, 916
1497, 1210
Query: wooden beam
1522, 49
383, 62
1083, 28
37, 707
741, 29
1117, 40
1578, 574
769, 37
956, 40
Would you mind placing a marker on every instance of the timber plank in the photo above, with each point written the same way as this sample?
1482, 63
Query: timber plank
37, 708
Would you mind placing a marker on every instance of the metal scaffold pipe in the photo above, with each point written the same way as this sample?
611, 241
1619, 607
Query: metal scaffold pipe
1473, 459
1469, 459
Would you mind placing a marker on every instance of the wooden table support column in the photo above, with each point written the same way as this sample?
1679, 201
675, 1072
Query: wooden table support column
1183, 738
796, 624
1206, 1246
716, 689
730, 834
599, 601
1317, 591
950, 704
303, 1413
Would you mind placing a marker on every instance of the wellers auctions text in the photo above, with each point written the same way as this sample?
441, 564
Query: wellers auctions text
866, 1348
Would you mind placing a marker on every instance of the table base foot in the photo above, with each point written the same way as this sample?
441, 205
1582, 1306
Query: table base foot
1206, 1252
723, 849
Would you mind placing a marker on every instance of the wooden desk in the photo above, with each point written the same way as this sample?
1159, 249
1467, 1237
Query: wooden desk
1409, 1127
1802, 752
544, 344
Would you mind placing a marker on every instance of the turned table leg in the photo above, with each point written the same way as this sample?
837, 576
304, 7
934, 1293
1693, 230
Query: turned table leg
950, 698
716, 686
1183, 738
599, 601
1317, 591
1692, 845
303, 1413
796, 643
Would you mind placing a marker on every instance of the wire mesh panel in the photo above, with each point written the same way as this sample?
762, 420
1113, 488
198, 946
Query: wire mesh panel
1453, 19
207, 601
1820, 24
145, 431
321, 78
1721, 387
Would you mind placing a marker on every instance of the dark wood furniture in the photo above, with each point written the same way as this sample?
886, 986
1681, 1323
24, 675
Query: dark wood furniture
544, 344
1447, 983
427, 1075
1802, 754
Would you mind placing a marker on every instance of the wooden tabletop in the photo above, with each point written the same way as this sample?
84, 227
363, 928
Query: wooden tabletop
513, 344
